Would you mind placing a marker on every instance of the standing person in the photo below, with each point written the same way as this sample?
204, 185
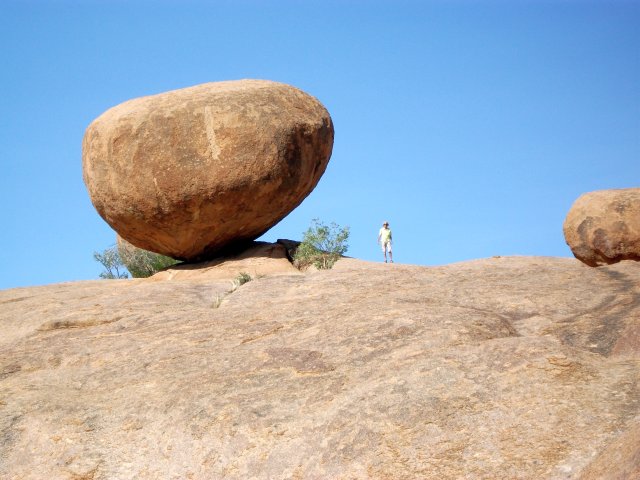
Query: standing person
384, 239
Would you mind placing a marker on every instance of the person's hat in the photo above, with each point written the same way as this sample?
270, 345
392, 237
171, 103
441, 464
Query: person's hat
385, 223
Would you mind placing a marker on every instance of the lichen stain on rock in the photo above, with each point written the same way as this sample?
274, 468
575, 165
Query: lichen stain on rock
302, 361
75, 323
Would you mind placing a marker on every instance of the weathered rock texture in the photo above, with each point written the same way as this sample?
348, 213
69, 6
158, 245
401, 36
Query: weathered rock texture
187, 172
603, 227
506, 368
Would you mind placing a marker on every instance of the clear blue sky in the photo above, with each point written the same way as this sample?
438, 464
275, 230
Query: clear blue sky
470, 126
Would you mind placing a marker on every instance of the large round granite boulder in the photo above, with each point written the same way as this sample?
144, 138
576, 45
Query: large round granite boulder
603, 227
188, 172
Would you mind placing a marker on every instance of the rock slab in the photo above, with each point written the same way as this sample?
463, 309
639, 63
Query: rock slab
187, 172
603, 227
496, 369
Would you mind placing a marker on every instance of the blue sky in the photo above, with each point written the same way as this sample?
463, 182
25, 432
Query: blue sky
470, 126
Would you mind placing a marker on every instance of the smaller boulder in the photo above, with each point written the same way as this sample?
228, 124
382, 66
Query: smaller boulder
603, 227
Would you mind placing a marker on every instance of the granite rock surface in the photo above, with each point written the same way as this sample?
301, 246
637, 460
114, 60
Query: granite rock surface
503, 368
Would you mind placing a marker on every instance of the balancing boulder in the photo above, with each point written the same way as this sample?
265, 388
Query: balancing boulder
603, 227
189, 172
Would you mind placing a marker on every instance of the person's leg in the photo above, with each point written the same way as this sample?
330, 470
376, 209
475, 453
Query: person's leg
384, 251
390, 253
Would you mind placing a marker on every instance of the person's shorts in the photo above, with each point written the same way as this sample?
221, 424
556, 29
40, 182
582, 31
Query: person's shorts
386, 246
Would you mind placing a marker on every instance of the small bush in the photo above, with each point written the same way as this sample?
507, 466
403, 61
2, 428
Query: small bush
241, 279
142, 263
322, 245
112, 263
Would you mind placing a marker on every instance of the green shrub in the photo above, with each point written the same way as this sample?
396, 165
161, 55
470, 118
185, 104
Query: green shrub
322, 245
242, 278
112, 263
142, 263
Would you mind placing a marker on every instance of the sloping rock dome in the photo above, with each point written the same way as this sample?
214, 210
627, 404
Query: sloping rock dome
507, 368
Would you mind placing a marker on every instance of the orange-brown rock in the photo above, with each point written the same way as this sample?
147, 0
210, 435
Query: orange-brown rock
603, 227
188, 172
504, 368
